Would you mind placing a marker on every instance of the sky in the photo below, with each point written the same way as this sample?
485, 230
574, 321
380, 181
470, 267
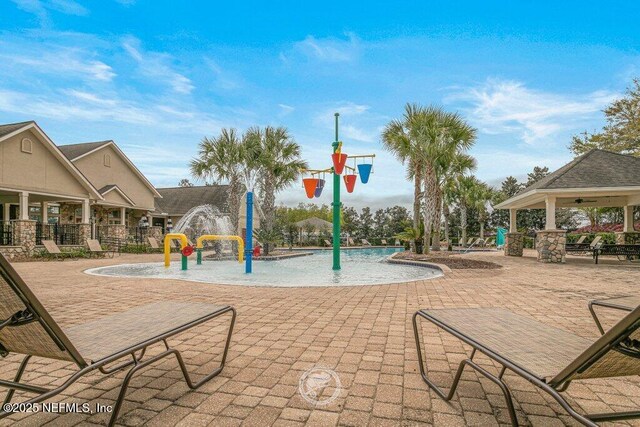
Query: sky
158, 76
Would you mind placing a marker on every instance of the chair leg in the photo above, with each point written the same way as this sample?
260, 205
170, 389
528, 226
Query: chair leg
16, 379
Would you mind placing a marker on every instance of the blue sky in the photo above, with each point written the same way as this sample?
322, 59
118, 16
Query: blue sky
156, 77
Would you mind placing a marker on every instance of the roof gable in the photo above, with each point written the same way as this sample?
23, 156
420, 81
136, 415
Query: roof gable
177, 201
10, 130
113, 193
81, 150
595, 169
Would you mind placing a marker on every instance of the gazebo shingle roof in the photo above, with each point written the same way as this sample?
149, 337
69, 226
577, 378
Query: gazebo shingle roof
595, 169
318, 223
177, 201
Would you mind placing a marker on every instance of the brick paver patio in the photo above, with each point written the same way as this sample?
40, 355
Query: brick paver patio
363, 333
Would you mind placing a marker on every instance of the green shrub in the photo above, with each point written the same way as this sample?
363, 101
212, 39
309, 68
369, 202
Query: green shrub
607, 237
132, 248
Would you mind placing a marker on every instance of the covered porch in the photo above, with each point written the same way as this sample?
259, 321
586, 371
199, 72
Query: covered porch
596, 179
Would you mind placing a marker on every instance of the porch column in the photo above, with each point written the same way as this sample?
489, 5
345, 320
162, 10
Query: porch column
513, 222
86, 211
628, 236
44, 206
513, 241
123, 214
550, 202
24, 206
7, 211
628, 219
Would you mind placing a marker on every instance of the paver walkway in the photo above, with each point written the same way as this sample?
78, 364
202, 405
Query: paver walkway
363, 333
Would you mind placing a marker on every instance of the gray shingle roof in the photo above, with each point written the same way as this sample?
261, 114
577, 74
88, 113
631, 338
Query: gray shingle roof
597, 168
177, 201
73, 151
12, 127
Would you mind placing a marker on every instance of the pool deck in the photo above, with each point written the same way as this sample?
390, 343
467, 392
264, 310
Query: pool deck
364, 333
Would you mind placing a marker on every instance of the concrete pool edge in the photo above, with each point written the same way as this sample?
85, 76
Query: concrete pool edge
443, 268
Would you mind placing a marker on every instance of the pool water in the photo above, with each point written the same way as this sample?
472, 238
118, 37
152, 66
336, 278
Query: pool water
359, 267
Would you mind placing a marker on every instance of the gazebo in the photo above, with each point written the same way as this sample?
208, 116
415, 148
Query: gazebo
596, 179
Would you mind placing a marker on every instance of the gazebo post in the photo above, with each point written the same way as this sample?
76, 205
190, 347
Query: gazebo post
551, 242
628, 236
514, 241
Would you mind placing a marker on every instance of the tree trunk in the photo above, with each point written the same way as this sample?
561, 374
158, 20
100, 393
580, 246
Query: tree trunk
445, 210
429, 198
268, 202
482, 230
463, 224
235, 193
417, 192
437, 220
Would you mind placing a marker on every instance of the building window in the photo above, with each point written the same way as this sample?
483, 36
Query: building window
107, 160
26, 146
114, 217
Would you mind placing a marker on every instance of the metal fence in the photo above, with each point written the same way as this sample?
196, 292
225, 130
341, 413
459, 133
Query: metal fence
6, 233
62, 234
138, 235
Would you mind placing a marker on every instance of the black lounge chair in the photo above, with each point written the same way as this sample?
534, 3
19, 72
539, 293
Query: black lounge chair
27, 328
582, 248
547, 357
622, 252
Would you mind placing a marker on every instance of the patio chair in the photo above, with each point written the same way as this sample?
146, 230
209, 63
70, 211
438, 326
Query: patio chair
351, 242
547, 357
491, 241
581, 247
153, 243
384, 242
27, 328
470, 241
52, 250
326, 242
365, 242
95, 248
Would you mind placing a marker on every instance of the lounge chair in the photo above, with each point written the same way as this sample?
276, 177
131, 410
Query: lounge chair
581, 247
365, 242
95, 248
153, 243
27, 328
326, 242
53, 250
351, 242
491, 241
383, 242
397, 242
547, 357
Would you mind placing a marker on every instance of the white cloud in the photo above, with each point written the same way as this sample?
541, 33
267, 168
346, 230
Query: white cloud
285, 109
41, 8
356, 121
329, 49
59, 62
505, 106
156, 65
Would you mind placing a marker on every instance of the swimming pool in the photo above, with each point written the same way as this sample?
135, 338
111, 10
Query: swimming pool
367, 266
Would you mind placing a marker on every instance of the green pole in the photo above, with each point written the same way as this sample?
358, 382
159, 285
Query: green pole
199, 258
336, 207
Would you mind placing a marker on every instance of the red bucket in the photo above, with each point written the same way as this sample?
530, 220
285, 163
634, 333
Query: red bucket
310, 185
350, 182
339, 161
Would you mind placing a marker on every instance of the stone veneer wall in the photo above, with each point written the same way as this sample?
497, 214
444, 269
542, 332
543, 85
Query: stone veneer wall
628, 238
13, 253
155, 232
84, 233
25, 234
114, 231
551, 245
514, 244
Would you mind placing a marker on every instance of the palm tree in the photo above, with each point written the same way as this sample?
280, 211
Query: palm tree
220, 158
455, 166
279, 163
400, 137
481, 196
465, 193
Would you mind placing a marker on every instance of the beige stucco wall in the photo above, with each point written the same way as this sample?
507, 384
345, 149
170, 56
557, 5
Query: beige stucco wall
38, 171
119, 173
113, 197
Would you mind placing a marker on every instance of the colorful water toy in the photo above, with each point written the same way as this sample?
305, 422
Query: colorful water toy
200, 246
313, 184
184, 243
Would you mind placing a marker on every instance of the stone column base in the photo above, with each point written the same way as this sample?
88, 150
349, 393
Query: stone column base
84, 233
25, 234
551, 245
513, 244
628, 238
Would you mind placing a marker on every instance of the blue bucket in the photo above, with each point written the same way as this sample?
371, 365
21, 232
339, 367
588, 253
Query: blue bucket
319, 188
364, 170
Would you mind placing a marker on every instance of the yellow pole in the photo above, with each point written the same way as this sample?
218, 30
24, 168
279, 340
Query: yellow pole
222, 237
167, 245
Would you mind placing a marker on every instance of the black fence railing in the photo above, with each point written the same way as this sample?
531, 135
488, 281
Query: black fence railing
62, 234
6, 233
138, 235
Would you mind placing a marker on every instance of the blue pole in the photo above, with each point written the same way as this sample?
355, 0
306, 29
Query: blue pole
248, 251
